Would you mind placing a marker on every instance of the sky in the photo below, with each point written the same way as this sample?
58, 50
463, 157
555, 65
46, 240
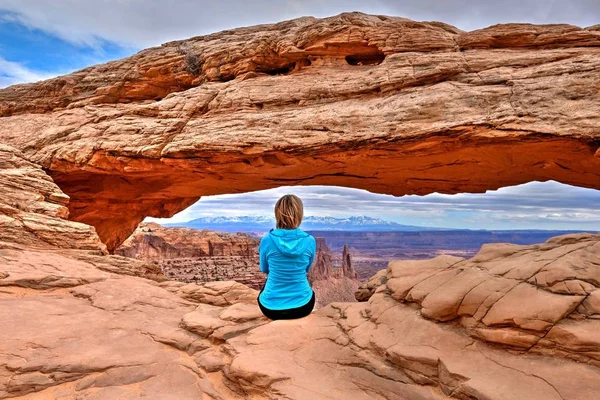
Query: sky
536, 205
40, 39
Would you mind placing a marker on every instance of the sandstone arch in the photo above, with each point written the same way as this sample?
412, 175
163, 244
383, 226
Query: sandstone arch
379, 103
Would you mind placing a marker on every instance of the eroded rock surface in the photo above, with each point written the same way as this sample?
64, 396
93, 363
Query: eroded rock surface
191, 255
102, 335
540, 298
33, 212
332, 283
380, 103
71, 327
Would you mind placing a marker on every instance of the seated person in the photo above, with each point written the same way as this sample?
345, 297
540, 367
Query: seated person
286, 255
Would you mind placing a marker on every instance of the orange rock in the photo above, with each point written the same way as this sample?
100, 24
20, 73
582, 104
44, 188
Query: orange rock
152, 241
379, 103
501, 296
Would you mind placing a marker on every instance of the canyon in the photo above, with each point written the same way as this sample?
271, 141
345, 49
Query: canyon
374, 102
190, 255
152, 241
372, 251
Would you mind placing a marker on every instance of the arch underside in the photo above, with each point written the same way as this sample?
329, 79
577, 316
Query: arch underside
349, 106
116, 203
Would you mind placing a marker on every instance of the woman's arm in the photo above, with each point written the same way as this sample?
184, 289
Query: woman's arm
262, 251
312, 254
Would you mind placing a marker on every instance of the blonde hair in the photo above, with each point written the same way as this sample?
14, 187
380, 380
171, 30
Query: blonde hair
289, 212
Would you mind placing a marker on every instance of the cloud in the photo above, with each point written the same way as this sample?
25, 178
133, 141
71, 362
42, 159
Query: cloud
535, 205
12, 73
143, 23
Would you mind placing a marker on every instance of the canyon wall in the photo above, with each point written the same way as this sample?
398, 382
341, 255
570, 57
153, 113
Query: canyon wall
373, 102
151, 241
332, 283
190, 255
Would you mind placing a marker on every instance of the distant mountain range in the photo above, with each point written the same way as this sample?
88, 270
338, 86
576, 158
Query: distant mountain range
310, 223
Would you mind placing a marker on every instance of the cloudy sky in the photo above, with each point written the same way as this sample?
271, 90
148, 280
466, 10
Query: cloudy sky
536, 205
44, 38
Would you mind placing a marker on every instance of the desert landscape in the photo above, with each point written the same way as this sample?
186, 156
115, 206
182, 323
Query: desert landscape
190, 255
372, 251
381, 103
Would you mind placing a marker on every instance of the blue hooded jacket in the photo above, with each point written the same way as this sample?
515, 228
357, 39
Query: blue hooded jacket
286, 255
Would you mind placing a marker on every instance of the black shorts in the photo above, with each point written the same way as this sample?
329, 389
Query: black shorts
290, 313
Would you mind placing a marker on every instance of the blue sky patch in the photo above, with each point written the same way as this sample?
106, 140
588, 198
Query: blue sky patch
46, 55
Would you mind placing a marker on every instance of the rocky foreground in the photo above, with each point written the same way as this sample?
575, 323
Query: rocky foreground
513, 322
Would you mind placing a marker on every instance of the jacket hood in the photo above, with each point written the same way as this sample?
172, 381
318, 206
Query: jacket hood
290, 242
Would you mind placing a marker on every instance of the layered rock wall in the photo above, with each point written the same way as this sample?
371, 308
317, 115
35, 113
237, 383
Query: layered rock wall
33, 212
191, 255
152, 241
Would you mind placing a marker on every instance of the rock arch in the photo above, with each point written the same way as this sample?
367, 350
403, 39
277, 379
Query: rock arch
384, 104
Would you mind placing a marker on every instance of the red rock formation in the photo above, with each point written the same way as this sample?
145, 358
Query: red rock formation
347, 268
33, 213
329, 283
380, 103
152, 241
538, 298
70, 317
368, 287
322, 266
191, 255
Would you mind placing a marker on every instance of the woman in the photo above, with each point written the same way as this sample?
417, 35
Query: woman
286, 254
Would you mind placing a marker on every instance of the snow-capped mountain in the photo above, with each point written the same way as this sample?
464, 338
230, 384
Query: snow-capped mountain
259, 223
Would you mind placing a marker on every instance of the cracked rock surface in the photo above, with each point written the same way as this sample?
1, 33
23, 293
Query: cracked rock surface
514, 322
540, 298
